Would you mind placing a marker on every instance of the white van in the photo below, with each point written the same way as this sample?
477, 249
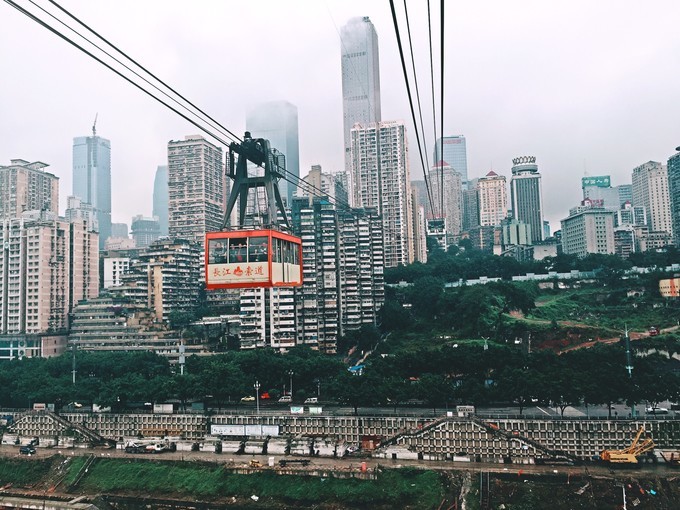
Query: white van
312, 400
286, 399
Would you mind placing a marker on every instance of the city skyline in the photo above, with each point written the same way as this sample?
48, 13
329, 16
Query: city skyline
583, 105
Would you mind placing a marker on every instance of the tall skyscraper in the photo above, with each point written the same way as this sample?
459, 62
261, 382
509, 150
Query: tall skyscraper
493, 199
526, 195
160, 199
25, 187
277, 121
455, 154
92, 178
650, 190
197, 192
381, 175
447, 197
360, 79
673, 168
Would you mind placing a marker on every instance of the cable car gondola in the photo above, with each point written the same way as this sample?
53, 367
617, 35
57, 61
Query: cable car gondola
245, 258
252, 258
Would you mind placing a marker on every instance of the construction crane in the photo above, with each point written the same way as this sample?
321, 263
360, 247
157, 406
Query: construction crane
629, 456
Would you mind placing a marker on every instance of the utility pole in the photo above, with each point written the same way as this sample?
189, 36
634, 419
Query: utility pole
629, 367
73, 369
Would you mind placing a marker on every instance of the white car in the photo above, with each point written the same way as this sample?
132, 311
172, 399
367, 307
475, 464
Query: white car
312, 400
286, 399
656, 410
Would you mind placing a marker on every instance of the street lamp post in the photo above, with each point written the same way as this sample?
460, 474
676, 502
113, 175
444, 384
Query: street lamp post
257, 396
291, 373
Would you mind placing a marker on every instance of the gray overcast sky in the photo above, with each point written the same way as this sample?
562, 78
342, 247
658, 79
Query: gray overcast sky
585, 86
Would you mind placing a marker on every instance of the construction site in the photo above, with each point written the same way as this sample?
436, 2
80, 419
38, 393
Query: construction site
475, 462
445, 438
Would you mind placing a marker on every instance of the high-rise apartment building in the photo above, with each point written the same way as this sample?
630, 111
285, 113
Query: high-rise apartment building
320, 184
673, 169
526, 195
76, 210
360, 80
381, 177
197, 191
361, 263
650, 190
277, 121
419, 227
25, 187
446, 187
160, 199
493, 199
92, 178
46, 266
165, 277
454, 150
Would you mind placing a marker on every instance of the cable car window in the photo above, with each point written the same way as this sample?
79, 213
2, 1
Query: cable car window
217, 248
257, 249
237, 250
277, 250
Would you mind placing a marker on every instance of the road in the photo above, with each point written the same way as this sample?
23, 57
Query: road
349, 463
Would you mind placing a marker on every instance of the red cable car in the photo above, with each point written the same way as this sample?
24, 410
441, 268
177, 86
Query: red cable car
246, 258
252, 258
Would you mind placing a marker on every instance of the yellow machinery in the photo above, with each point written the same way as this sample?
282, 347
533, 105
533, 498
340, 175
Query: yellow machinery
628, 456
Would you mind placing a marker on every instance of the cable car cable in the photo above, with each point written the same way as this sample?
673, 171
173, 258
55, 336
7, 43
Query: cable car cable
116, 48
73, 43
415, 80
301, 183
410, 98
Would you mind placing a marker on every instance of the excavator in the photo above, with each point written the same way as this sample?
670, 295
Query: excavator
629, 456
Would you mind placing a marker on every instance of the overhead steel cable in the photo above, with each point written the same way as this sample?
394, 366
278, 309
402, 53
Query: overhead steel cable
76, 45
442, 91
415, 79
434, 113
215, 124
410, 99
306, 186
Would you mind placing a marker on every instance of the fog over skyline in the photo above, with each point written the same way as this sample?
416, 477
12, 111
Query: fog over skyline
589, 88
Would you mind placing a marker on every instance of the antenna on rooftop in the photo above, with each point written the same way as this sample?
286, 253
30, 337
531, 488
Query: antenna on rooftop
94, 125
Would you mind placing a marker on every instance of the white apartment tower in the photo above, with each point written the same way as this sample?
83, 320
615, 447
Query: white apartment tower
588, 231
360, 79
493, 199
381, 181
650, 190
197, 188
447, 195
